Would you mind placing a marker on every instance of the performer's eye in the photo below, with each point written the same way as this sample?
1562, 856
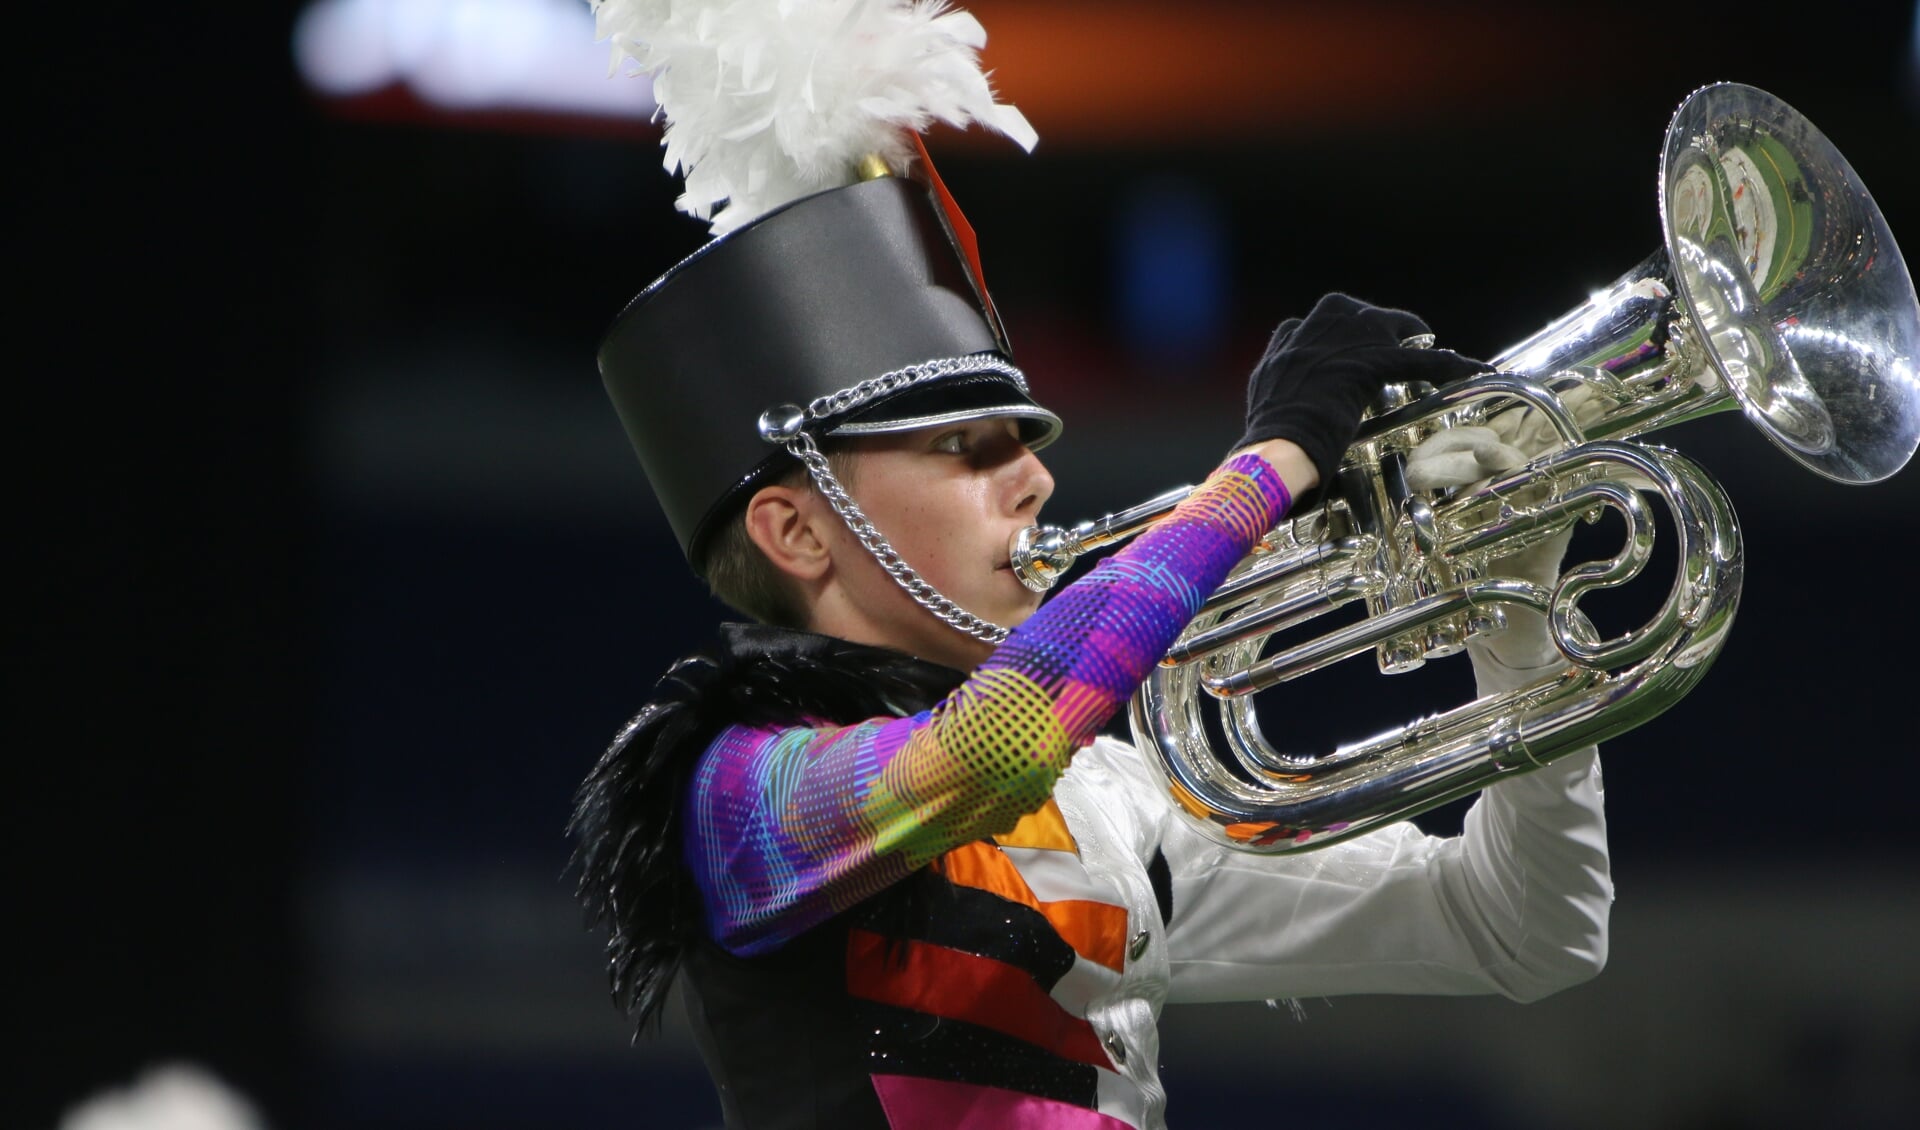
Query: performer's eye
952, 443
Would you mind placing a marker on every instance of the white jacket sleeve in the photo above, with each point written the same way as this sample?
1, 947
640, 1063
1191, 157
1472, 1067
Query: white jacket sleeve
1517, 904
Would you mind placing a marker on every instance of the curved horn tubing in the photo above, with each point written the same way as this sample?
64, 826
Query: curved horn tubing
1293, 803
1779, 290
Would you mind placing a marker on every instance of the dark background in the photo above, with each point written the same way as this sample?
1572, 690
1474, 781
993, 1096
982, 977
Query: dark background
341, 573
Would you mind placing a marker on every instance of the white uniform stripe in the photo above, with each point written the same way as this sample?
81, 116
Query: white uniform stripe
1119, 1097
1058, 875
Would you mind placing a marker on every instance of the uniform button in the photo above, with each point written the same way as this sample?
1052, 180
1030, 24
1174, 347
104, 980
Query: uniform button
1116, 1048
1137, 946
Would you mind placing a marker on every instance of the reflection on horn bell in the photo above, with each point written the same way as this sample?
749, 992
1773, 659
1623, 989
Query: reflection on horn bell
1779, 291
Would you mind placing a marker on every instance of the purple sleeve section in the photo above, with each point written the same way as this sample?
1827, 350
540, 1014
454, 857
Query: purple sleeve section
788, 826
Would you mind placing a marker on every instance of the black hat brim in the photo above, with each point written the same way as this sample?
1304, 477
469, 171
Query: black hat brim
954, 401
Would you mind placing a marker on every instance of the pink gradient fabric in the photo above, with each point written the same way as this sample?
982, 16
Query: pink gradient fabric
935, 1104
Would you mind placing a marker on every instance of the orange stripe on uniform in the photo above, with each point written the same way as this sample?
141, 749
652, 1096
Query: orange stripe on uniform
1097, 931
957, 985
1045, 829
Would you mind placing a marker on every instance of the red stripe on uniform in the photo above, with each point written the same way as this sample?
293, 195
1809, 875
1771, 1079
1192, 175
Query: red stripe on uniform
962, 986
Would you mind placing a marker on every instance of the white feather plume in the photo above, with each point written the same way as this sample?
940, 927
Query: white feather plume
767, 101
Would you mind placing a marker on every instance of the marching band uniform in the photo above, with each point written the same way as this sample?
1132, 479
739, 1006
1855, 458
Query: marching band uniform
1027, 969
899, 895
1020, 973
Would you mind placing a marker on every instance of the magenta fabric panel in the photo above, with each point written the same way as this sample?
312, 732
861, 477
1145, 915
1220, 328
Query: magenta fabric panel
935, 1104
787, 827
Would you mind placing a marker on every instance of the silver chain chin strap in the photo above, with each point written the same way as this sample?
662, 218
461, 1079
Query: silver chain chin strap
785, 426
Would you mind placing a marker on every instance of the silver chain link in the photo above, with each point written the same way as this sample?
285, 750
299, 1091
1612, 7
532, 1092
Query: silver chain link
923, 594
800, 445
847, 399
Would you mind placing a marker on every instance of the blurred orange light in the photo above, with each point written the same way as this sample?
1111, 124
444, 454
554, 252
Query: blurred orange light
1118, 71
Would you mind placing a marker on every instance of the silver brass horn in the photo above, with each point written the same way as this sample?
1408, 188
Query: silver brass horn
1780, 291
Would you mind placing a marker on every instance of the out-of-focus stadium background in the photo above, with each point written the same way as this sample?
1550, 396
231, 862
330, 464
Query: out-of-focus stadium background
345, 573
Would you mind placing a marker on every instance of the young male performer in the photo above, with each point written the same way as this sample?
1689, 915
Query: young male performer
876, 836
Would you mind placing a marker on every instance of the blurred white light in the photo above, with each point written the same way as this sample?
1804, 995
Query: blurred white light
1913, 64
466, 55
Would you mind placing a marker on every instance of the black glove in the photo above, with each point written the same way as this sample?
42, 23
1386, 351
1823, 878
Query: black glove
1319, 374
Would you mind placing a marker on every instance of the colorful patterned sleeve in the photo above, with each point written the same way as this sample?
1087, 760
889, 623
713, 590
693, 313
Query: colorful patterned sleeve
787, 827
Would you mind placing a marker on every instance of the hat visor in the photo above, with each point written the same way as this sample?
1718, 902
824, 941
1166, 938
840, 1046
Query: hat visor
953, 402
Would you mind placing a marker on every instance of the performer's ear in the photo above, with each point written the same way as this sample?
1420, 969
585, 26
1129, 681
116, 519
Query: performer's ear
784, 523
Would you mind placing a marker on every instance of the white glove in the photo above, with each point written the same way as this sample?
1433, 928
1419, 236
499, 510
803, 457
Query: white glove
1529, 430
1460, 456
1525, 644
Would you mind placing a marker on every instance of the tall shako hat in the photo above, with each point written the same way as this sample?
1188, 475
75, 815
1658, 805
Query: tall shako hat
844, 287
844, 298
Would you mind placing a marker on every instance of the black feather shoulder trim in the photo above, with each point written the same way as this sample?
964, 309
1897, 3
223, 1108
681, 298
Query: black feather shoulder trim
626, 816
